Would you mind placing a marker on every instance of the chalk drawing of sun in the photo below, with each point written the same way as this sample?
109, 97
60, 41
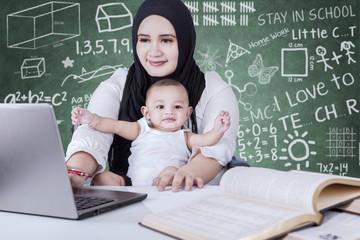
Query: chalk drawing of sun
298, 149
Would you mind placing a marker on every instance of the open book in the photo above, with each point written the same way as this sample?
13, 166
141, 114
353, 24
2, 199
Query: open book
352, 207
257, 203
336, 225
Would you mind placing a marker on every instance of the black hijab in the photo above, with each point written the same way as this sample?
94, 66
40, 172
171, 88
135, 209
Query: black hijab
138, 80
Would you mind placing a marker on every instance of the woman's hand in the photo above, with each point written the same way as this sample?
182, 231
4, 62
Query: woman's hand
108, 178
199, 171
165, 177
182, 177
76, 180
176, 178
84, 162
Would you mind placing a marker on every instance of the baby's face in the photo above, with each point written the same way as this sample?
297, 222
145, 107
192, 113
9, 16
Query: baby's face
167, 107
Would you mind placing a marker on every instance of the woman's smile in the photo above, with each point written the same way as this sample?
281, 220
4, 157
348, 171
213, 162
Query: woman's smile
157, 63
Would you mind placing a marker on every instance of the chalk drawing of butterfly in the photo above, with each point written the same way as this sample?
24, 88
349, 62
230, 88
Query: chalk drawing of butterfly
257, 69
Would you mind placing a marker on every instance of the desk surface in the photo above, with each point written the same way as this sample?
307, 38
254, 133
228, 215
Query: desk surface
120, 223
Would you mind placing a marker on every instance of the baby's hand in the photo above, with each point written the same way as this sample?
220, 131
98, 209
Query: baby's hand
81, 116
222, 122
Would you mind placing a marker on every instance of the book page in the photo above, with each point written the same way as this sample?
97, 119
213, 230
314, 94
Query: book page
353, 206
295, 189
223, 217
336, 225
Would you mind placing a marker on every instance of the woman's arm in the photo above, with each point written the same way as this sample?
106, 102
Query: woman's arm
217, 96
84, 162
89, 148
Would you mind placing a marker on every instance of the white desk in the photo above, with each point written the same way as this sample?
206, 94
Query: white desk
120, 223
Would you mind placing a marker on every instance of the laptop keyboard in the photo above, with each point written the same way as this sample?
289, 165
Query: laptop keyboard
85, 202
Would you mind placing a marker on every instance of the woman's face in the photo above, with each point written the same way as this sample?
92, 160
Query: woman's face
157, 46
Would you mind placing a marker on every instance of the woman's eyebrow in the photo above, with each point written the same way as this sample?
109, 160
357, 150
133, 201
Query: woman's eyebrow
167, 35
161, 35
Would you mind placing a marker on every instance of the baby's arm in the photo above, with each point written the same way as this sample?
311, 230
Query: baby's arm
221, 124
125, 129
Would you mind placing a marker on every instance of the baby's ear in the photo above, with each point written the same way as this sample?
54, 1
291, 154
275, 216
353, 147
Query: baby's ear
189, 112
145, 112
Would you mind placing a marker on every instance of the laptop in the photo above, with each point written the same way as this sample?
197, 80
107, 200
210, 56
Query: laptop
33, 173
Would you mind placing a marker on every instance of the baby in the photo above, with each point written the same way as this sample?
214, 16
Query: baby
158, 138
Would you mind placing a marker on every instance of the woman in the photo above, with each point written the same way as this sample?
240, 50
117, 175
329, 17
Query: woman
163, 38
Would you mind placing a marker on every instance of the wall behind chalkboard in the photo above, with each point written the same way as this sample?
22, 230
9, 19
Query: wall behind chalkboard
293, 65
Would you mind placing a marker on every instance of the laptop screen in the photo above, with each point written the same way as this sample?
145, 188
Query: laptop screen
33, 173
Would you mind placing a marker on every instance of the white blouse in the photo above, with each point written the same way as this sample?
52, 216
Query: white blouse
105, 101
153, 150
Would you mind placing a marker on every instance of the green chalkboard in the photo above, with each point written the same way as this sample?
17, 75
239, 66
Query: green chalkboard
293, 65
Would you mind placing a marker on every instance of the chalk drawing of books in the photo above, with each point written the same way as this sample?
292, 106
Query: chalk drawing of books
43, 25
113, 17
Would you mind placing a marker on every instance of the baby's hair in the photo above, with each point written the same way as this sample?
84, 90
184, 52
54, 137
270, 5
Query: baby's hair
164, 83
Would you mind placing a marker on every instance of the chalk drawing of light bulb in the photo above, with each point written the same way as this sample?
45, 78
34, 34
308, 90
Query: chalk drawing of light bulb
249, 89
298, 149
